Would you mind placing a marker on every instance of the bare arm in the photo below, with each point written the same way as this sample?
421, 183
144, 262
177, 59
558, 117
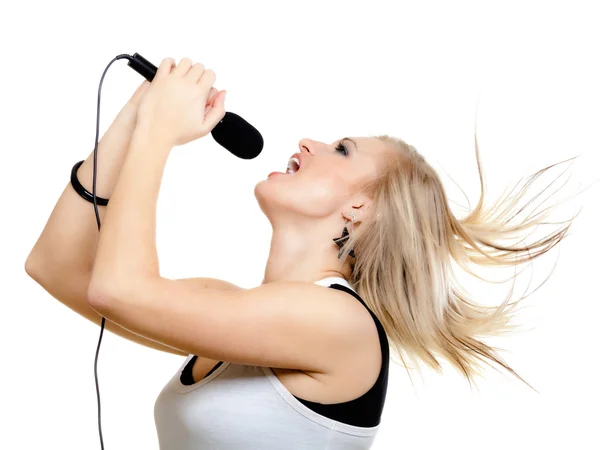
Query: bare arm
69, 239
62, 258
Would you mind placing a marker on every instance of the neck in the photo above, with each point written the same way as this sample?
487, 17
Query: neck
301, 255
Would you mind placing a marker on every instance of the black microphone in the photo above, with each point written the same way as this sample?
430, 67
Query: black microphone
232, 132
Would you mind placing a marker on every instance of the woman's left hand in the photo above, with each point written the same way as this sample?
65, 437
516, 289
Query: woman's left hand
177, 108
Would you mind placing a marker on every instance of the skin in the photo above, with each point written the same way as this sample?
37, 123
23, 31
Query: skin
310, 208
333, 336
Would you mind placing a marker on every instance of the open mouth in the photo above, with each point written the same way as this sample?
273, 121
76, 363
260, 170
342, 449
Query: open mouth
293, 165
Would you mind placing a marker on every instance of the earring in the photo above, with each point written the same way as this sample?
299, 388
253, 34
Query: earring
344, 237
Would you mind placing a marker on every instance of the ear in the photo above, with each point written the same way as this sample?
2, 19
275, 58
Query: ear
359, 206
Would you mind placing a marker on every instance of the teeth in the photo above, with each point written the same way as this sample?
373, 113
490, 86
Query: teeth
293, 165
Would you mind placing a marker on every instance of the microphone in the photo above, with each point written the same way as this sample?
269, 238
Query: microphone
232, 132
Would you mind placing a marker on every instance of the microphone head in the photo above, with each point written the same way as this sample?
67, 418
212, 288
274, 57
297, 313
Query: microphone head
238, 136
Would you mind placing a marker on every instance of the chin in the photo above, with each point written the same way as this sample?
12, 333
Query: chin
263, 195
269, 188
273, 199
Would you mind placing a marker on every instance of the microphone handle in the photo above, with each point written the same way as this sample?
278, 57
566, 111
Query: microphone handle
142, 66
148, 70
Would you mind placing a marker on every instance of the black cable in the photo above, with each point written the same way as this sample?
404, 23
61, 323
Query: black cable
123, 56
232, 132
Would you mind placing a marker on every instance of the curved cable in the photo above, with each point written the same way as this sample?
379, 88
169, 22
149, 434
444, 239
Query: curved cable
129, 57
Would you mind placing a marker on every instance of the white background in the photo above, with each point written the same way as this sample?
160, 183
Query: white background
320, 70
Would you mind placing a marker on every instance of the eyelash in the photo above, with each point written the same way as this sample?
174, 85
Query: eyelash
341, 146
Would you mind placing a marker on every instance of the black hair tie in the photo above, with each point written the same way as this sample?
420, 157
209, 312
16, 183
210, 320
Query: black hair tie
85, 194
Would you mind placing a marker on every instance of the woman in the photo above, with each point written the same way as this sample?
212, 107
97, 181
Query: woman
362, 247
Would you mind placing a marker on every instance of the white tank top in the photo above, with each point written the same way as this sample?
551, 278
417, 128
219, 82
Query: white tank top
247, 407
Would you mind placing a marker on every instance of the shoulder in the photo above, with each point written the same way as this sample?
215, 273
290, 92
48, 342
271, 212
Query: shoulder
340, 306
335, 313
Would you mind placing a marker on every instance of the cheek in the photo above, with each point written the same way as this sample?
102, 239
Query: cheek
319, 194
309, 194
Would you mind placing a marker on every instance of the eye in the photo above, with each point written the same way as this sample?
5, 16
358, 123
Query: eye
342, 148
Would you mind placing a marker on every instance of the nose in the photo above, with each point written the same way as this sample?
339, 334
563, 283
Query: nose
311, 147
305, 145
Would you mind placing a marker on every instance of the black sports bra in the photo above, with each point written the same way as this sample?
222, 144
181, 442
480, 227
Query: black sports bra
364, 411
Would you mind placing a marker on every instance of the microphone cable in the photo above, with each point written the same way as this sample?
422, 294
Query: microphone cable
129, 57
232, 132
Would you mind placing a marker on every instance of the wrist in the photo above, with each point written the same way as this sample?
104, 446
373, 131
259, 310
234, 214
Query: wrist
149, 133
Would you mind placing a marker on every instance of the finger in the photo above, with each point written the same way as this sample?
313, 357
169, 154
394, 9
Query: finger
165, 67
217, 112
183, 67
207, 81
195, 73
214, 99
211, 96
210, 102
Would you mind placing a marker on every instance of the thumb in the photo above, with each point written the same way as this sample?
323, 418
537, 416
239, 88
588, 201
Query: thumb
217, 112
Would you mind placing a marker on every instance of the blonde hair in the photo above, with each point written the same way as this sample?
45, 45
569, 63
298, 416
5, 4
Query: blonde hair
407, 253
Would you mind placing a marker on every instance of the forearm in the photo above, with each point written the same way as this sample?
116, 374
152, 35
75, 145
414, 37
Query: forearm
69, 240
112, 150
127, 244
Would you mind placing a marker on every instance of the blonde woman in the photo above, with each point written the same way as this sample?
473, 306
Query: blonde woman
360, 261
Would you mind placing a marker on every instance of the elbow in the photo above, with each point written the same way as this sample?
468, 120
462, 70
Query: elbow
31, 267
104, 296
99, 301
100, 297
